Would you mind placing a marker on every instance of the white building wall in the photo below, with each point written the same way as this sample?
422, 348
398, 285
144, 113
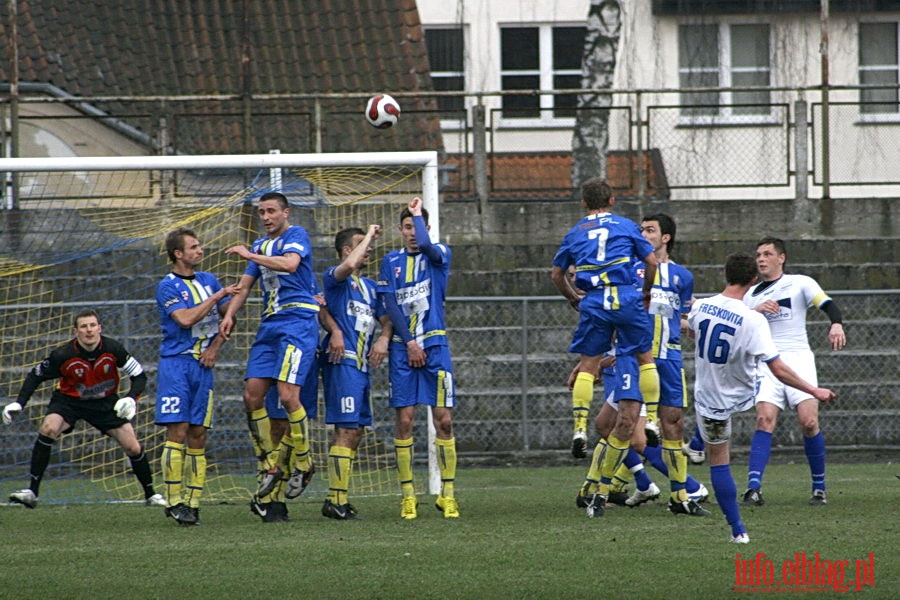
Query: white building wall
648, 59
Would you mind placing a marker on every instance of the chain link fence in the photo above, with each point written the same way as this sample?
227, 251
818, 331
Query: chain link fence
511, 363
658, 146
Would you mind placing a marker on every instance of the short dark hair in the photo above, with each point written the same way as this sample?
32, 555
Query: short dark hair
175, 241
406, 213
666, 226
740, 269
777, 243
596, 193
282, 199
344, 237
87, 312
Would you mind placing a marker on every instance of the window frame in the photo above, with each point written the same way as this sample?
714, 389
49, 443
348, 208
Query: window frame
725, 108
545, 73
879, 117
453, 123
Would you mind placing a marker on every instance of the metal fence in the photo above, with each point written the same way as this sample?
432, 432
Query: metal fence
657, 147
511, 363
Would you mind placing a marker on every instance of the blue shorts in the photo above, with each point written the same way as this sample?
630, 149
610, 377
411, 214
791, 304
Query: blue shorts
596, 324
309, 397
671, 383
347, 401
621, 381
431, 385
184, 391
285, 347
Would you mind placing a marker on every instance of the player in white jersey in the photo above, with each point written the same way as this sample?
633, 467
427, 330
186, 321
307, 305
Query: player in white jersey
784, 299
730, 341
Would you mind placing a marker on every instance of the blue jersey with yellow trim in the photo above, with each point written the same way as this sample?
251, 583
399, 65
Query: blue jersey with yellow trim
419, 286
177, 291
282, 290
602, 247
354, 304
670, 298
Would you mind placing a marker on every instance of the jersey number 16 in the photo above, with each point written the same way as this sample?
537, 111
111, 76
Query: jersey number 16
711, 345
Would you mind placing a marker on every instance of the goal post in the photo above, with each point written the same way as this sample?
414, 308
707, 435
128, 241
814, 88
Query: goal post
89, 231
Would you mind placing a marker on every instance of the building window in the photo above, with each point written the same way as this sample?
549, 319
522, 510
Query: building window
542, 57
878, 65
446, 54
725, 56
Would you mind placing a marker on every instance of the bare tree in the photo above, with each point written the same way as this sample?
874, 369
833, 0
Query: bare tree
590, 140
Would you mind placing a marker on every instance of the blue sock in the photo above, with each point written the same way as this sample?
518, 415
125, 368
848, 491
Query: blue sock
726, 496
636, 466
696, 442
815, 455
653, 454
691, 486
760, 448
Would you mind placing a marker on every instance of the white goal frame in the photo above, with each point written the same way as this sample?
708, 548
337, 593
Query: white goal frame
426, 159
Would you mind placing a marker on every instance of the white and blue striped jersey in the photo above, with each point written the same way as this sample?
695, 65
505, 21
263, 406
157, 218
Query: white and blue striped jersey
353, 303
282, 290
794, 295
419, 287
175, 292
670, 298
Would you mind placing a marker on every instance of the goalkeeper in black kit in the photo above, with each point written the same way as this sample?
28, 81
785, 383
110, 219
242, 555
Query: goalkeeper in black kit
87, 368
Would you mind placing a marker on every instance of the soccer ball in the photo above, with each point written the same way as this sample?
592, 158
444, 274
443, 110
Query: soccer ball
382, 111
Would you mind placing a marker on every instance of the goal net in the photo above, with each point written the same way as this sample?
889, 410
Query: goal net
86, 232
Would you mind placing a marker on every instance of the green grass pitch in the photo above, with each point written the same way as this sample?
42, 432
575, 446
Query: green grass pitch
520, 536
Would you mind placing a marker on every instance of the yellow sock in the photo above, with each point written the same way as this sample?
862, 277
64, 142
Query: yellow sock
404, 451
261, 436
196, 475
593, 474
676, 462
340, 464
621, 478
582, 395
648, 382
613, 456
446, 454
282, 458
173, 471
299, 429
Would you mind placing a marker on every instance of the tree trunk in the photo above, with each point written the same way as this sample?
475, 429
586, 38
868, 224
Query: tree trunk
590, 140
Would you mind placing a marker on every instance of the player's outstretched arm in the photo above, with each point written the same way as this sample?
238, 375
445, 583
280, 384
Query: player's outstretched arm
226, 325
188, 317
357, 257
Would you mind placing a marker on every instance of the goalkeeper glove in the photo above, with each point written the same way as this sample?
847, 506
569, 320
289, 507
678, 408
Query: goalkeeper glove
8, 410
125, 408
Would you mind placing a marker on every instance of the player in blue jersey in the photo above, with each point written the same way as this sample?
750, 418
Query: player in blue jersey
670, 300
190, 303
284, 350
602, 248
352, 301
412, 285
731, 339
